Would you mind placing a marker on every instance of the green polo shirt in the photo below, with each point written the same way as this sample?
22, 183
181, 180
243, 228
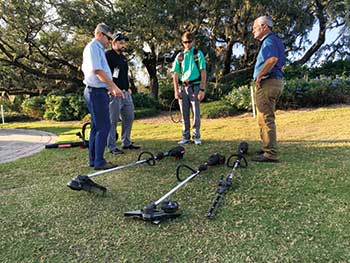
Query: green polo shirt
188, 66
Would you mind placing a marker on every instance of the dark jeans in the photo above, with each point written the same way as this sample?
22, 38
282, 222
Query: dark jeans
97, 101
189, 101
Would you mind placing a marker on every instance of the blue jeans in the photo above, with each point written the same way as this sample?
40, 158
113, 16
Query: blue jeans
97, 101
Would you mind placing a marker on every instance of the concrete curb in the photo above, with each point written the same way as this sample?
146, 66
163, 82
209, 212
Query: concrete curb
19, 143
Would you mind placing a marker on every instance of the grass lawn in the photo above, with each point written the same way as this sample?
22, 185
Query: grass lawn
294, 211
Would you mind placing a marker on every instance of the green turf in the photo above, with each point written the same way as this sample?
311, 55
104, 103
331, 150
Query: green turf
294, 211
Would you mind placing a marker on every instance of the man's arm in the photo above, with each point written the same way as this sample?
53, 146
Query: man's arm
268, 65
176, 85
202, 85
114, 90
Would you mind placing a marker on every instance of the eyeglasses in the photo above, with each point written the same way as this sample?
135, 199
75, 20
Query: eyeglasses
107, 36
187, 42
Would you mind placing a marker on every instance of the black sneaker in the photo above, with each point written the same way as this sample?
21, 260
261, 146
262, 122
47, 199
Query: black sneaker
116, 151
131, 147
106, 166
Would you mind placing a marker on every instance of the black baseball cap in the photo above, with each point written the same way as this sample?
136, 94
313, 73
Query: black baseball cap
117, 36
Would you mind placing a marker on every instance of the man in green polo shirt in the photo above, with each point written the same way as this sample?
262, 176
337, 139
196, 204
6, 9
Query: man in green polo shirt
189, 78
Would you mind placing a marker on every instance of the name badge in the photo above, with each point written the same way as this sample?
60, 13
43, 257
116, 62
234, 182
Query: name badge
116, 73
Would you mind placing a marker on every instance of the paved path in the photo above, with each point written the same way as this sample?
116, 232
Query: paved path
18, 143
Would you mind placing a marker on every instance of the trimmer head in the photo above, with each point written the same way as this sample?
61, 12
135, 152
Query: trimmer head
83, 182
169, 209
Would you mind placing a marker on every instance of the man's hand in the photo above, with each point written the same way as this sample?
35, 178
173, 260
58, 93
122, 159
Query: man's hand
257, 82
115, 91
177, 94
201, 95
259, 79
267, 67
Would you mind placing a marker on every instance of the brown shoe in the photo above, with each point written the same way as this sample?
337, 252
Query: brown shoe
263, 159
106, 166
259, 152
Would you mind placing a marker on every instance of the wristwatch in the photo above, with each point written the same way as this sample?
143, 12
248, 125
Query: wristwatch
202, 90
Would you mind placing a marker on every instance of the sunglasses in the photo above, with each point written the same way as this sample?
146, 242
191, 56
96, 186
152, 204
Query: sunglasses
187, 42
107, 36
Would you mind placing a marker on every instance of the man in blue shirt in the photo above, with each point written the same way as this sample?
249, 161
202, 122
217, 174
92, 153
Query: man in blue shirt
98, 81
269, 85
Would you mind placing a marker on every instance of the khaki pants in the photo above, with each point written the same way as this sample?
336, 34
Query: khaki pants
266, 97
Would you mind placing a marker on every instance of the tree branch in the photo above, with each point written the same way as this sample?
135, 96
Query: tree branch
321, 34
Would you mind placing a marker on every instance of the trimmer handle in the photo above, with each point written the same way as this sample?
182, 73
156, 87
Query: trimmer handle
151, 160
242, 148
216, 159
242, 161
179, 167
213, 160
83, 130
177, 152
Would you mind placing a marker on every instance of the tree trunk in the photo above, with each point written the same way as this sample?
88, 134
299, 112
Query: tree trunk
150, 63
154, 86
227, 59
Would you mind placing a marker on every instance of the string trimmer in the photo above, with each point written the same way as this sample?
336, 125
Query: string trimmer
84, 182
82, 135
170, 209
225, 185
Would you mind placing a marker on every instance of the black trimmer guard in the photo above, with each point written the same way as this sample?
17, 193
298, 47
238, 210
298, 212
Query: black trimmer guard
151, 214
83, 182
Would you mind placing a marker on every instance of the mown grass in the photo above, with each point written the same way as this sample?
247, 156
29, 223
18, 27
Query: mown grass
294, 211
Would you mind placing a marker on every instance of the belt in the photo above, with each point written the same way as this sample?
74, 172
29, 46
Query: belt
272, 77
97, 88
189, 82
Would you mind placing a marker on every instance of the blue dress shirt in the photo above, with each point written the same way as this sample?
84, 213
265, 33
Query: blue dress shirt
94, 58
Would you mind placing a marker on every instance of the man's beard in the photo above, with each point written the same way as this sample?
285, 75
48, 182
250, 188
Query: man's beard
120, 50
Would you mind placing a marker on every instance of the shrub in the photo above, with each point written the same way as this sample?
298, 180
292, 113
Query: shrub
57, 108
78, 105
299, 93
143, 100
217, 109
34, 107
65, 108
12, 103
240, 98
147, 112
166, 93
17, 102
6, 103
215, 92
16, 117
